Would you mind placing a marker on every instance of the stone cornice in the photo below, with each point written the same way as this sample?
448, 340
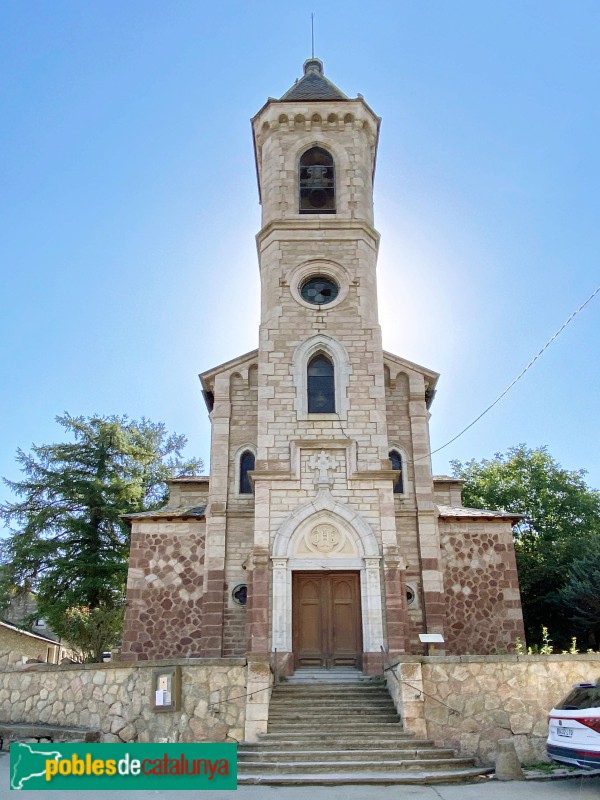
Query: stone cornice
239, 514
270, 475
314, 105
375, 475
297, 229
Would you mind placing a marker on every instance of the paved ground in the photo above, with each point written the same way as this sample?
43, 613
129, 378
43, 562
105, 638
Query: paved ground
587, 788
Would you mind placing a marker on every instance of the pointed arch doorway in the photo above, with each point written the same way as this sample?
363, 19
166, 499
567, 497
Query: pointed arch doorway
327, 630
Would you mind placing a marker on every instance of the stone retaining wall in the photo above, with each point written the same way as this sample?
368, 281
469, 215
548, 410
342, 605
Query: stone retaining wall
116, 698
470, 702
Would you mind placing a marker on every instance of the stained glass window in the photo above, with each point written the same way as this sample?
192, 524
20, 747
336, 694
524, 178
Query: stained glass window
319, 291
396, 460
246, 466
321, 385
240, 594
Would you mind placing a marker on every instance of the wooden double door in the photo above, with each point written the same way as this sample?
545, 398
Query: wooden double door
327, 630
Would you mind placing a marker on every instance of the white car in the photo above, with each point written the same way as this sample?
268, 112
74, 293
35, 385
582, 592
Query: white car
574, 735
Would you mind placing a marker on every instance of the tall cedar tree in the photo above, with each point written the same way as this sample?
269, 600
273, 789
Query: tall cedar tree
561, 518
68, 542
582, 594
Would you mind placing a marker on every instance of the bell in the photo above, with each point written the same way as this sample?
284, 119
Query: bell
317, 198
316, 177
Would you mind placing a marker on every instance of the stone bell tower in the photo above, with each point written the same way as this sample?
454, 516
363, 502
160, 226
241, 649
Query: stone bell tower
321, 390
315, 156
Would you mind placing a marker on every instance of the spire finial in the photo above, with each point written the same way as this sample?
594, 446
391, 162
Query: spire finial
312, 32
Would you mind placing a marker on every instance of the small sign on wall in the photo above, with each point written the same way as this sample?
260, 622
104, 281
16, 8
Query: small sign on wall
166, 689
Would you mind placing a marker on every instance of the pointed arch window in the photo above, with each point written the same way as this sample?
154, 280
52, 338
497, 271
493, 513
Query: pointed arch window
317, 182
396, 460
320, 385
246, 466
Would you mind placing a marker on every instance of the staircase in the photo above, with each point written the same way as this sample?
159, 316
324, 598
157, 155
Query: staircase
338, 727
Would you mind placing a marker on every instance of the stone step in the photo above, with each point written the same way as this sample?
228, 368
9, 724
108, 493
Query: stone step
346, 708
339, 721
360, 765
331, 708
310, 681
337, 674
366, 725
325, 680
373, 695
368, 777
341, 712
323, 731
315, 696
329, 680
363, 741
329, 676
378, 701
314, 699
331, 690
331, 699
335, 700
372, 755
344, 714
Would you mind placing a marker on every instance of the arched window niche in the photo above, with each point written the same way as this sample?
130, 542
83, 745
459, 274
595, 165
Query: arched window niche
320, 385
246, 465
316, 182
324, 363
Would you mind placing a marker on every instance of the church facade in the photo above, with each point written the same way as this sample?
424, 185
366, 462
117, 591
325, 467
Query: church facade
321, 537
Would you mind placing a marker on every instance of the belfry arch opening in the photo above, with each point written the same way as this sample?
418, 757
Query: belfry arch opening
316, 181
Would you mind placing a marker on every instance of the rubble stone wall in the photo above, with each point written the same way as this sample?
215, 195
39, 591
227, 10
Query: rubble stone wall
470, 702
482, 598
164, 590
116, 698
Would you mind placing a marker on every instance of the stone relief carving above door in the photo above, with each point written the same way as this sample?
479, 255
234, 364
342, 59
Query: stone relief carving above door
324, 540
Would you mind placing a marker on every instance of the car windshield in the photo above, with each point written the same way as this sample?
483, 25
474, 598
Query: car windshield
581, 697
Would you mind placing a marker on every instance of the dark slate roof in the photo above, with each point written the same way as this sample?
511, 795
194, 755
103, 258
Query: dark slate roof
168, 513
314, 85
476, 513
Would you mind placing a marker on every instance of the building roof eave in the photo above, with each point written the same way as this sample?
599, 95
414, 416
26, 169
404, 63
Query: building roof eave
166, 513
463, 512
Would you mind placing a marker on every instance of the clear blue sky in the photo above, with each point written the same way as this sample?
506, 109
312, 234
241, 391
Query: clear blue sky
128, 205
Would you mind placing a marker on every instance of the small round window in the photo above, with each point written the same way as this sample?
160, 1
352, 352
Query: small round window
240, 594
319, 290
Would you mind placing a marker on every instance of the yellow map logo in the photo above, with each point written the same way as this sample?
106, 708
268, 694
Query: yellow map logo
123, 766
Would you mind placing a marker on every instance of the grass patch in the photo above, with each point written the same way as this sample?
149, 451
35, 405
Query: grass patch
548, 767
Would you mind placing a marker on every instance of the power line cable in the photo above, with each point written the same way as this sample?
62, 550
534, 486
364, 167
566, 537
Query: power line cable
519, 376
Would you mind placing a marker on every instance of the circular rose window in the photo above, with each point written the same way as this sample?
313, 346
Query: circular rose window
240, 594
319, 290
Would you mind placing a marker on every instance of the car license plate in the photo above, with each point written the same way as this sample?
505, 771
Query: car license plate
564, 731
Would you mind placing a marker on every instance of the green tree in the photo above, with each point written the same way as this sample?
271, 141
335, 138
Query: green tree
68, 542
581, 593
561, 516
